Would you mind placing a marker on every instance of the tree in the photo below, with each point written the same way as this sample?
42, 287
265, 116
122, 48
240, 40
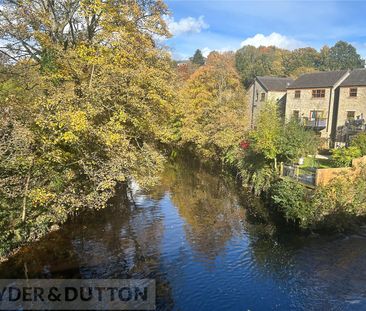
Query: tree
324, 58
35, 28
198, 58
301, 58
296, 142
344, 56
266, 138
252, 61
213, 111
86, 104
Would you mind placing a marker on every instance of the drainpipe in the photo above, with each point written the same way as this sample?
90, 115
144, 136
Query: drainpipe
330, 103
252, 121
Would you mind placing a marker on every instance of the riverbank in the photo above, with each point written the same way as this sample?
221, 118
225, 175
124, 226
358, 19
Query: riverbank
196, 234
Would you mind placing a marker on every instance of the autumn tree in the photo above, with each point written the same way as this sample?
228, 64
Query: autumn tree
251, 61
213, 111
85, 107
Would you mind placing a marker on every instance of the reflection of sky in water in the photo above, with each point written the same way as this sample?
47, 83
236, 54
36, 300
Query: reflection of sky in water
192, 235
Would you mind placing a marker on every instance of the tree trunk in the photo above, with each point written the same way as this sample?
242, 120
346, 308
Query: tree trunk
91, 76
26, 189
25, 197
275, 164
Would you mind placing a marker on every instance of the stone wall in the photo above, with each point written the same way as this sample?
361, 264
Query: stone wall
347, 103
307, 103
256, 103
325, 175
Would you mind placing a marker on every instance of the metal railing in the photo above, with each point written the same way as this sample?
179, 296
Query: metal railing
317, 124
306, 176
357, 125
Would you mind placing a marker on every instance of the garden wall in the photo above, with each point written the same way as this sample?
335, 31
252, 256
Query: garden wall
325, 175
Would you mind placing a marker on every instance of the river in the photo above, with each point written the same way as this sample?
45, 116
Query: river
209, 247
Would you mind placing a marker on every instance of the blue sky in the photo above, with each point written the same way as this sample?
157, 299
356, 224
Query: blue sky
226, 25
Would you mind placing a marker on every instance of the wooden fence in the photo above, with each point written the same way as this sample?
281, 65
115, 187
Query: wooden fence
322, 176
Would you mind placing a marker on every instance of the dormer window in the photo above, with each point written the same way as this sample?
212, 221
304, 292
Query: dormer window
353, 92
319, 93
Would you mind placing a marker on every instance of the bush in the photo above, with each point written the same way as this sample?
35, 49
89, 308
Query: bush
360, 142
337, 206
297, 142
343, 157
291, 198
341, 203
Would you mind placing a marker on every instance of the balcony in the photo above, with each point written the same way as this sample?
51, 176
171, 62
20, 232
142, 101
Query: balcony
315, 124
356, 125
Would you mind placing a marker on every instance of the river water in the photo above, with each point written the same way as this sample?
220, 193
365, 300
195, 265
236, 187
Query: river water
208, 246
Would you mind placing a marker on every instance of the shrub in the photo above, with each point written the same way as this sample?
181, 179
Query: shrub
291, 198
340, 204
337, 206
360, 142
343, 157
297, 142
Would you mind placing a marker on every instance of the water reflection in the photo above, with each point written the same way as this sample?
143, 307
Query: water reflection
208, 249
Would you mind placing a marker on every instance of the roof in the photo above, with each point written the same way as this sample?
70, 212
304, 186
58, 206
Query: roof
356, 78
274, 83
318, 79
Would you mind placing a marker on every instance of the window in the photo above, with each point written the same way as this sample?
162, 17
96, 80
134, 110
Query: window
297, 94
351, 115
353, 92
257, 96
296, 114
316, 115
318, 93
263, 97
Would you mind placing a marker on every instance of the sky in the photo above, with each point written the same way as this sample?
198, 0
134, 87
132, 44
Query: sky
227, 25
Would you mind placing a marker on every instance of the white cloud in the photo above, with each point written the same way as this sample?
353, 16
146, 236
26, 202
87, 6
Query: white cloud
274, 39
206, 51
186, 25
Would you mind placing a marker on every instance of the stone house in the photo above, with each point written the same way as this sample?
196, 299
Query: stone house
267, 88
313, 99
351, 107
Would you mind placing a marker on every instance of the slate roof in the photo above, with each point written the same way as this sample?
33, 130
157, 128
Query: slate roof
356, 78
318, 79
275, 83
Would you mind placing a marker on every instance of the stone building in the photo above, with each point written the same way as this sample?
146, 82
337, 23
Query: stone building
351, 107
313, 99
267, 88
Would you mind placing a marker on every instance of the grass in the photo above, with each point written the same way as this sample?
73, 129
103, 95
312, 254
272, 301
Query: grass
310, 163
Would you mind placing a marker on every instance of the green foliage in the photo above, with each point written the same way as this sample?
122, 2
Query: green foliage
360, 142
342, 157
297, 142
340, 204
198, 58
336, 206
299, 59
270, 142
291, 199
252, 61
344, 56
266, 137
